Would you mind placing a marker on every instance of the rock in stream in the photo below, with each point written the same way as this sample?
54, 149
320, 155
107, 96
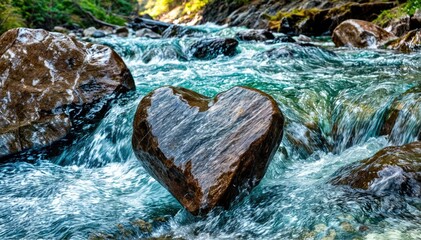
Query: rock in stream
206, 151
46, 81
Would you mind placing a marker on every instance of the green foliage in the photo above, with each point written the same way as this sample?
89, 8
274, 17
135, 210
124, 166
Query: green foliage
407, 8
156, 8
411, 6
10, 16
49, 13
194, 6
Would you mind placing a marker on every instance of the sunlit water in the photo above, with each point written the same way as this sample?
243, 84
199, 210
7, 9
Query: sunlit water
335, 105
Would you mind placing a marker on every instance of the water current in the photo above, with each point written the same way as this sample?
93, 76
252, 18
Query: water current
334, 100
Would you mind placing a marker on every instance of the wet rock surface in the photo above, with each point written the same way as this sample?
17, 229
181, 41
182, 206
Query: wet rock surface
404, 113
209, 48
255, 35
146, 32
180, 31
391, 170
204, 150
408, 43
360, 34
47, 80
312, 18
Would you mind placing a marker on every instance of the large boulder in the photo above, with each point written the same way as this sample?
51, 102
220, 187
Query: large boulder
391, 170
203, 150
46, 79
209, 48
360, 34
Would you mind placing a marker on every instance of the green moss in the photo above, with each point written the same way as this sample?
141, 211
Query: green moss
411, 6
387, 16
295, 13
10, 17
407, 8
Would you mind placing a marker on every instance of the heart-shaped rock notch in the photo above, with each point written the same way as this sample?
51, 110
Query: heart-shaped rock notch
205, 151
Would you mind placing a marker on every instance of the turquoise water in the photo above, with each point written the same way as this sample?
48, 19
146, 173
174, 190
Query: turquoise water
335, 104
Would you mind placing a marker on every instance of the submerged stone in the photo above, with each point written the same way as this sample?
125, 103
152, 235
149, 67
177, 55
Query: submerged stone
392, 169
211, 48
46, 81
147, 33
180, 31
255, 35
206, 151
402, 122
360, 34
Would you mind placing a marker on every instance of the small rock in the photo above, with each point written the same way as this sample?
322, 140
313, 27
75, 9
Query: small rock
346, 226
122, 32
163, 53
98, 34
147, 33
211, 48
392, 169
60, 29
179, 31
399, 26
283, 39
89, 31
407, 43
360, 34
206, 151
303, 38
363, 228
255, 35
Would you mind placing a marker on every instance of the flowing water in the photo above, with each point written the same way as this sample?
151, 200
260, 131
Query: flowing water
335, 104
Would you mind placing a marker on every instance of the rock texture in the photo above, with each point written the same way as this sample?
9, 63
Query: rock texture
312, 18
360, 34
254, 35
209, 48
393, 169
408, 43
203, 150
403, 120
45, 81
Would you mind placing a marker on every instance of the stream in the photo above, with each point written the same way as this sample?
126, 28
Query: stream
334, 101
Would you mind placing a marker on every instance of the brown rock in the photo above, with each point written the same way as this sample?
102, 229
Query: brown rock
396, 169
203, 150
43, 76
361, 34
403, 119
399, 26
407, 43
122, 32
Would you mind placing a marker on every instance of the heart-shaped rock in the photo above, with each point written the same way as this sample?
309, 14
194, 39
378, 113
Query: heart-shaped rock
205, 151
